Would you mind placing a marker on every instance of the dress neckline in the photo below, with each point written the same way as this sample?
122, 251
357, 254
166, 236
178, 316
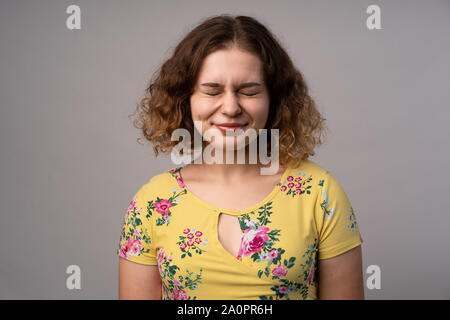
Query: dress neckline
175, 172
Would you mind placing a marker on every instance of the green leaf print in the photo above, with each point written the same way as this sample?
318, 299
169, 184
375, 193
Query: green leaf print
353, 225
137, 222
264, 214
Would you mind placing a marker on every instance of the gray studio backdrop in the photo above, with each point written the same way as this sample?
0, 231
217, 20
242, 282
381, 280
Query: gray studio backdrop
70, 162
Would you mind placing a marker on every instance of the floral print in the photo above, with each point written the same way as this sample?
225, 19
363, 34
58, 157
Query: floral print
188, 263
353, 225
296, 185
174, 288
163, 207
303, 282
309, 268
175, 172
280, 271
258, 240
190, 241
131, 239
325, 205
253, 241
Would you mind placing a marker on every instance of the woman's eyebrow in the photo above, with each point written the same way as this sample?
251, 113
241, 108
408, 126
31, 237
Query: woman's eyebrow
242, 86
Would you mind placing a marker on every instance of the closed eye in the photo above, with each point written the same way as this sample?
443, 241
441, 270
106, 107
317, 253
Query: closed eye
248, 95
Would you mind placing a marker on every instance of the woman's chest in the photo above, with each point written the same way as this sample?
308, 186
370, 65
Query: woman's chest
235, 196
275, 245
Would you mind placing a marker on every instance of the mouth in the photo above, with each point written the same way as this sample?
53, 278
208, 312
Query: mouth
230, 127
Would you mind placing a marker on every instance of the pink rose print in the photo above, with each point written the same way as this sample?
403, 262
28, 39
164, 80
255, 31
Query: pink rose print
176, 282
178, 177
132, 247
180, 183
190, 242
311, 275
172, 288
282, 289
161, 258
279, 271
294, 184
163, 206
179, 294
273, 254
253, 241
132, 207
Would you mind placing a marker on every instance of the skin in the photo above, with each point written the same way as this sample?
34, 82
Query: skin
224, 99
341, 277
223, 94
138, 281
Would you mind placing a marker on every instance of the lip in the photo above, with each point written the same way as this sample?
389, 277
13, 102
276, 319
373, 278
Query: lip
231, 124
224, 127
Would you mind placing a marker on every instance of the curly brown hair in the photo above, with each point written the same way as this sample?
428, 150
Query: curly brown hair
166, 104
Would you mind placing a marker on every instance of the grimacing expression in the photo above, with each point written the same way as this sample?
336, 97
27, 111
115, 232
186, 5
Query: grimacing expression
230, 93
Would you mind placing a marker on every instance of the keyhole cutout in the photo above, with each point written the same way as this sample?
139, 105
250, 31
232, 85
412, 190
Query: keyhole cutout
229, 232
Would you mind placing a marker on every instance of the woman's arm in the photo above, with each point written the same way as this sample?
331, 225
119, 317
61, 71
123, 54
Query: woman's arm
341, 277
138, 281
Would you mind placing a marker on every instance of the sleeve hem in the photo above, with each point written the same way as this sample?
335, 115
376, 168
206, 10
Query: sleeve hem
339, 250
140, 261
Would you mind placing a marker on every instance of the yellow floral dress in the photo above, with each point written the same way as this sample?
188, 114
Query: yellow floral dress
306, 217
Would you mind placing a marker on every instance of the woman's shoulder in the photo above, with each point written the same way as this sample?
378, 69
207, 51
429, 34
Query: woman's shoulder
160, 183
308, 167
164, 178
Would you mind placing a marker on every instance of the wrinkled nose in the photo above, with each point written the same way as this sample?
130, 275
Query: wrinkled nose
230, 105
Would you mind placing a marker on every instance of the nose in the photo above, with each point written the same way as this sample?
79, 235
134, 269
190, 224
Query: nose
230, 105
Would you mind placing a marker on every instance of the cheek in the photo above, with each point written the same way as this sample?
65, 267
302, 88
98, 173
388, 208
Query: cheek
260, 112
200, 112
198, 108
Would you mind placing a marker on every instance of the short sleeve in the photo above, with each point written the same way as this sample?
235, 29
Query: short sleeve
137, 231
335, 218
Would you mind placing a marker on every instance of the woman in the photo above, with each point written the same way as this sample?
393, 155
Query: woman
224, 230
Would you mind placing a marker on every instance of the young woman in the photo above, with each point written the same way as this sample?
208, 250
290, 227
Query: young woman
224, 230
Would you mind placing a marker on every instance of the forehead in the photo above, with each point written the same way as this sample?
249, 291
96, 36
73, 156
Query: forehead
231, 65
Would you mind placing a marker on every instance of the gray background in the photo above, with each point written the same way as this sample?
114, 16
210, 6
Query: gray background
70, 163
